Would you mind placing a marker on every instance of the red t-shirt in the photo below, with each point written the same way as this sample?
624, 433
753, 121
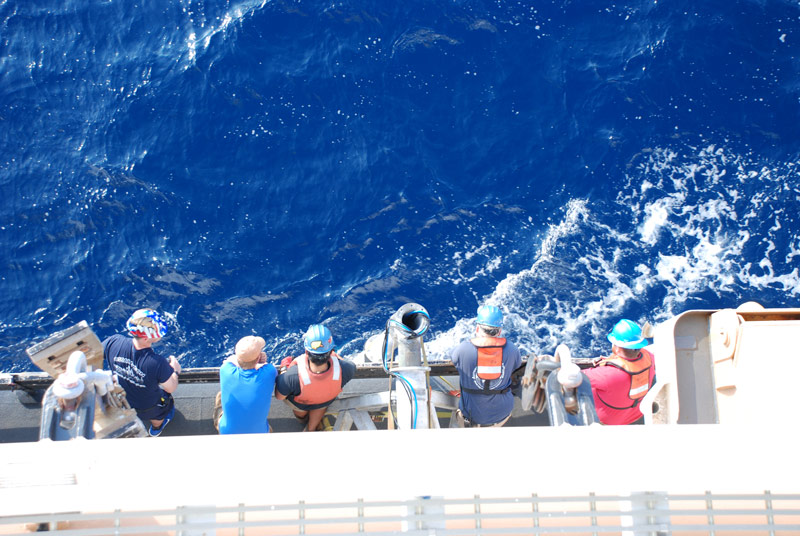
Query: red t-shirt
613, 385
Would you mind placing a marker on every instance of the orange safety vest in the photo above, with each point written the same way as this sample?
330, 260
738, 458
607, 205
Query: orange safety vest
490, 356
316, 388
639, 372
490, 364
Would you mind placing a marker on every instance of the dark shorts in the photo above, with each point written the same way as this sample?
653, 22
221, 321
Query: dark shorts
307, 407
160, 410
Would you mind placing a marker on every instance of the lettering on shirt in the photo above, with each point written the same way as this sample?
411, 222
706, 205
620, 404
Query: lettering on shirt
127, 370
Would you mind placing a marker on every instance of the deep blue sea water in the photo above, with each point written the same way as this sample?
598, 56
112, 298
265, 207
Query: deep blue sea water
256, 167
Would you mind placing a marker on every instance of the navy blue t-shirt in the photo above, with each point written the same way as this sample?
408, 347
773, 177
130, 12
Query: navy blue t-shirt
139, 371
485, 408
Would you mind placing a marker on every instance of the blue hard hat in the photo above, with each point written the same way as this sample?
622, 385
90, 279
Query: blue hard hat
489, 315
318, 339
146, 324
627, 334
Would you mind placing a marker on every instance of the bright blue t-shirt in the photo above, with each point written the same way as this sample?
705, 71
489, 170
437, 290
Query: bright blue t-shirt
246, 398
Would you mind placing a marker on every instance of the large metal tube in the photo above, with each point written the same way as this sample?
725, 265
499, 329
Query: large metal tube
407, 327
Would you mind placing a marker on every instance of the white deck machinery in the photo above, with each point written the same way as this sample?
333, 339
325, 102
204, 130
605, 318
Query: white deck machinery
84, 400
401, 351
556, 384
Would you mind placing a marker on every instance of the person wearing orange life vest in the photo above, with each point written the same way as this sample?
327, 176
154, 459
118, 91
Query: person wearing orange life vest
485, 364
620, 381
313, 380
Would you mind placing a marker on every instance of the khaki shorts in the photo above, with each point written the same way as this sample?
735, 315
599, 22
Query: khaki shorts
291, 405
464, 423
217, 414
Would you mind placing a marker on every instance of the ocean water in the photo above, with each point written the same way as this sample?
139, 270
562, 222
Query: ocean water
254, 167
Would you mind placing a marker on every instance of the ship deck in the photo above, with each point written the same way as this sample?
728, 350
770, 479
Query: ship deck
194, 403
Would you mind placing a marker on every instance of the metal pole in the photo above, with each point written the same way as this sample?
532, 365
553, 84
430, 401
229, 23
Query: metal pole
407, 327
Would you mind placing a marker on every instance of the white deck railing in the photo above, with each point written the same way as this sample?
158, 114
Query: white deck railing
693, 479
644, 513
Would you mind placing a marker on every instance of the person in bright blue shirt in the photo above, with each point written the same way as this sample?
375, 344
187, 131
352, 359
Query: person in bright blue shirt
246, 384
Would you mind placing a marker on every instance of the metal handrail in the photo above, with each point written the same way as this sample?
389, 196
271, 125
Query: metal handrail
658, 519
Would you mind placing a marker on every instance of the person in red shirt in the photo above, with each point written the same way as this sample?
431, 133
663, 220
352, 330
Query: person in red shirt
620, 381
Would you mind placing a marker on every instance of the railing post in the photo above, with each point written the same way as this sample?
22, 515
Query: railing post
768, 508
640, 507
301, 516
360, 515
478, 512
420, 509
710, 512
203, 516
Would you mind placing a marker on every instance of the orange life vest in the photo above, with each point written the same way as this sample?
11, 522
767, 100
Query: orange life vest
490, 364
317, 388
639, 372
490, 356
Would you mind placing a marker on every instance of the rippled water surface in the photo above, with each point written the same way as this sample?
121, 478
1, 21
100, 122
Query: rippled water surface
255, 167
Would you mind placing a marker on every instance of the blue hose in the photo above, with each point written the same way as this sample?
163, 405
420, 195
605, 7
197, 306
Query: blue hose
397, 375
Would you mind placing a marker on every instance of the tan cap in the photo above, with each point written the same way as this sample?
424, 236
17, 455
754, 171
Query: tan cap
248, 349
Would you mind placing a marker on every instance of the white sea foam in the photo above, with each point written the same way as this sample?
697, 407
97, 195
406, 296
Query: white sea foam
700, 224
208, 29
507, 295
657, 216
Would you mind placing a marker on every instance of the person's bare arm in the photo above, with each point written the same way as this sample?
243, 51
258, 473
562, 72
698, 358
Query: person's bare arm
172, 383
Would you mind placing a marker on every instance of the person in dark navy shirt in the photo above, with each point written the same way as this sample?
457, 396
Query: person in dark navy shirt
148, 378
485, 364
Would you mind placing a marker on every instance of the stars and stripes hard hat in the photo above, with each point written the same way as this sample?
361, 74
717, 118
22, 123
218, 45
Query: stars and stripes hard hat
146, 324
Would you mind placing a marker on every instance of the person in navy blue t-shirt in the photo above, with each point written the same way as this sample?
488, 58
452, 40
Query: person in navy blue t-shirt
148, 378
485, 364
